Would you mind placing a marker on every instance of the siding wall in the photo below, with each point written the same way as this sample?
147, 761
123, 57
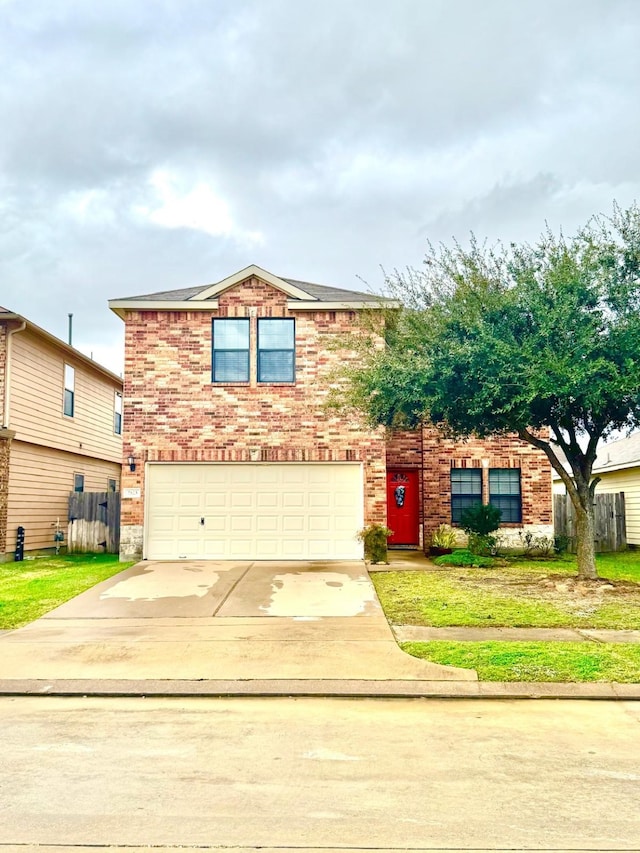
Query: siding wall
37, 386
40, 480
627, 481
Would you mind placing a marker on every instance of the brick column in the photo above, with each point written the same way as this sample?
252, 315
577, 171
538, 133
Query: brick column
6, 436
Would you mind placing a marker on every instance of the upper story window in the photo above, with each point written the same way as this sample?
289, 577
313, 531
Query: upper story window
69, 390
466, 490
78, 482
117, 413
230, 362
276, 350
505, 493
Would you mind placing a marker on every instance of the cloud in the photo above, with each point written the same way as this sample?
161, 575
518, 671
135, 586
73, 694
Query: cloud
197, 207
149, 146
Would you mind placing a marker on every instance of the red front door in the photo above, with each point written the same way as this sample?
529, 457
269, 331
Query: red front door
402, 507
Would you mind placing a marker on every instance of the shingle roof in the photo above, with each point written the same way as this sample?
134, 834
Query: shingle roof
316, 291
622, 453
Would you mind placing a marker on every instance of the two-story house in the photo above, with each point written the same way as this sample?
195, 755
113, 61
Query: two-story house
60, 431
232, 453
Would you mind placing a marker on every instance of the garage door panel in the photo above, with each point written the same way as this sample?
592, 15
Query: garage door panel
293, 499
267, 523
241, 500
253, 511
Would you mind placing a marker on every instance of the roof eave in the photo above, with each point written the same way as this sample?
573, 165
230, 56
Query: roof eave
343, 305
121, 306
62, 345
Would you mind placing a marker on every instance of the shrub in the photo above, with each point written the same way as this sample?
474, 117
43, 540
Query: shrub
464, 557
374, 537
481, 519
443, 537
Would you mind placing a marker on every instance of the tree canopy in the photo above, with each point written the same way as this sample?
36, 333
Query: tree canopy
542, 340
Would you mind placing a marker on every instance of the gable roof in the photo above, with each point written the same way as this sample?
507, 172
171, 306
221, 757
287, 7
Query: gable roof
302, 295
6, 315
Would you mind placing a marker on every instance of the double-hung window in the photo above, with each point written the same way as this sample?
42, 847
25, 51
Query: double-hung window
69, 390
505, 493
466, 490
230, 350
117, 413
276, 350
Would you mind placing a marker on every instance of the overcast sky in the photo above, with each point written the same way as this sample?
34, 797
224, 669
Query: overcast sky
152, 145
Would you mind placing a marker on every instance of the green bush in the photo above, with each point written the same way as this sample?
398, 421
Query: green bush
481, 519
374, 537
464, 557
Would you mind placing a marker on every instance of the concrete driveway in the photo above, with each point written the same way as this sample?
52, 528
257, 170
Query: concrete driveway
219, 620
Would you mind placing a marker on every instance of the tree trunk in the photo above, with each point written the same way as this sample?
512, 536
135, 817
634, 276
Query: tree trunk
585, 531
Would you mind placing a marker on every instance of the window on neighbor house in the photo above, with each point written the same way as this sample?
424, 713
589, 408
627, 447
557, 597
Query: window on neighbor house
112, 485
69, 390
505, 493
230, 362
117, 413
466, 490
276, 350
78, 482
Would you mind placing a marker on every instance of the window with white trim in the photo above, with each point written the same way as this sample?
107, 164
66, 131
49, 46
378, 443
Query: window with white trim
78, 482
117, 413
68, 406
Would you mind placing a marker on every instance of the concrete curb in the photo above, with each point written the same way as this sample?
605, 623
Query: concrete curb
396, 689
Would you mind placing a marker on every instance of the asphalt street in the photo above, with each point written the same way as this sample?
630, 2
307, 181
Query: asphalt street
310, 774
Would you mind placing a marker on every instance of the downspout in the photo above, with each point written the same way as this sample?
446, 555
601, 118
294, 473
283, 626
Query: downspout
7, 374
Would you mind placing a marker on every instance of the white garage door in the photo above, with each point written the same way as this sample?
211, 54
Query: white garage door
253, 512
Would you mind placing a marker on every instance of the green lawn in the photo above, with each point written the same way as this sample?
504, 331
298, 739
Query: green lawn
522, 594
564, 662
33, 587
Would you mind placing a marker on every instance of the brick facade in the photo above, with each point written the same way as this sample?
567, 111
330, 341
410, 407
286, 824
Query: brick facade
174, 413
5, 452
3, 370
436, 455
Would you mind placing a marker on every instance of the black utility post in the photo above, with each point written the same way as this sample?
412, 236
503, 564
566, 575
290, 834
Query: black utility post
20, 545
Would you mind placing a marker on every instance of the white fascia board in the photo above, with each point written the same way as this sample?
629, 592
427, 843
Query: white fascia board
120, 306
249, 272
623, 466
294, 305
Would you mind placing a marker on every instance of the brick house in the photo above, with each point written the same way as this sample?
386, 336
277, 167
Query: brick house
60, 431
231, 454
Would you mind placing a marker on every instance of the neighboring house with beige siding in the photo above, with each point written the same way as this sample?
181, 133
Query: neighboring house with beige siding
618, 466
60, 431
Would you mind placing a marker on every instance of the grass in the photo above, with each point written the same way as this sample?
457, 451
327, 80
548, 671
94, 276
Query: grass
521, 594
515, 661
33, 587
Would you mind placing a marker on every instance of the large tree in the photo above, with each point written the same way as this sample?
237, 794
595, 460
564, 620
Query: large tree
542, 340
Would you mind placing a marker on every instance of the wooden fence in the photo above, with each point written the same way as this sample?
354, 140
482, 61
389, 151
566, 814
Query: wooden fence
611, 528
94, 522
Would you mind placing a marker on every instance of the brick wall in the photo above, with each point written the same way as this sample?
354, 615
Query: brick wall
413, 449
174, 413
5, 452
441, 454
3, 369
